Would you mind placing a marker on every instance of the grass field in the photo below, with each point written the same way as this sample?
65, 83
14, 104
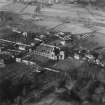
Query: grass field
67, 17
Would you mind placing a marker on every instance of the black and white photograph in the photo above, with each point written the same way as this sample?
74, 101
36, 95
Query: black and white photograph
52, 52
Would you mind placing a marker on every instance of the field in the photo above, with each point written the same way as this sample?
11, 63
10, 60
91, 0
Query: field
65, 17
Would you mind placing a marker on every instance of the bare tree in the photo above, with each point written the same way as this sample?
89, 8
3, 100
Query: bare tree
37, 10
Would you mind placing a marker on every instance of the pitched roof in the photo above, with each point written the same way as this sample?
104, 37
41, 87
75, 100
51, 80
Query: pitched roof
44, 48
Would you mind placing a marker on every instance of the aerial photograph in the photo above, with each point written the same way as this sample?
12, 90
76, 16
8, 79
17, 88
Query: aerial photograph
52, 52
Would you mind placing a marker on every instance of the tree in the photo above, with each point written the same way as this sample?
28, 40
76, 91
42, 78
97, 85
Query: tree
37, 10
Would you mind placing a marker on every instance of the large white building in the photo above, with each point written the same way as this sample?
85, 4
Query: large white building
50, 51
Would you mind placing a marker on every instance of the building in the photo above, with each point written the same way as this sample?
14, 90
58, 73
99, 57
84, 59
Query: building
50, 51
49, 1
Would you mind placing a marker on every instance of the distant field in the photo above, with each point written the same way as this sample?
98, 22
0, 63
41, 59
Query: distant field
80, 19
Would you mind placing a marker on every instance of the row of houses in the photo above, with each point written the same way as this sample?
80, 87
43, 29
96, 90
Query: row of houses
38, 44
46, 50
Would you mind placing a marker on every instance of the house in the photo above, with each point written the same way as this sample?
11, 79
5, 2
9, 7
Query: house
23, 47
50, 51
